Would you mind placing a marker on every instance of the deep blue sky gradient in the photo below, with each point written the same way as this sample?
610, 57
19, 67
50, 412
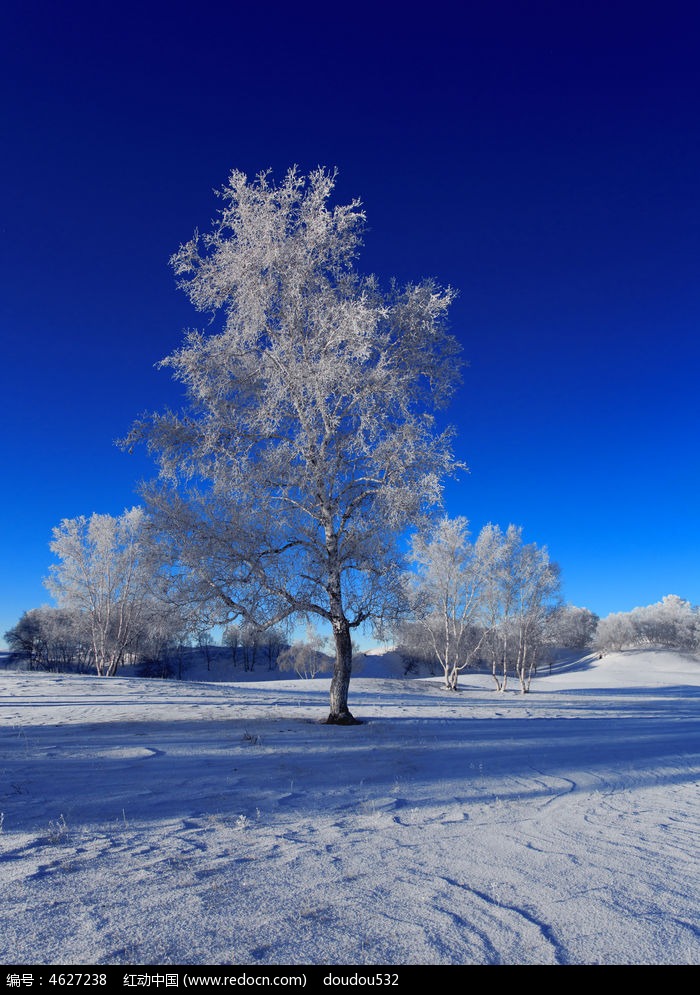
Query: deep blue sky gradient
543, 158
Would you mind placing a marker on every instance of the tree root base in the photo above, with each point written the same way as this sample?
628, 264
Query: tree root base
344, 719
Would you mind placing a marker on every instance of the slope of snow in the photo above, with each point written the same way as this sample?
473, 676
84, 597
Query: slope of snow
153, 822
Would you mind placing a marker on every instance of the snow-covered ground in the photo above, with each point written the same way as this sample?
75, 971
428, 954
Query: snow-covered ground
165, 822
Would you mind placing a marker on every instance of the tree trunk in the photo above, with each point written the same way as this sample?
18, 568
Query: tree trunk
340, 683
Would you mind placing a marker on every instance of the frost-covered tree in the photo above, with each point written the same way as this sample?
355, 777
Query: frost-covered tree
27, 640
163, 632
615, 632
445, 591
250, 644
308, 443
305, 656
272, 643
498, 596
671, 622
231, 637
521, 597
574, 627
537, 583
103, 573
50, 639
67, 638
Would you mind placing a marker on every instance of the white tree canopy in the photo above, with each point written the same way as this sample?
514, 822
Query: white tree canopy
445, 591
102, 574
521, 596
308, 443
671, 622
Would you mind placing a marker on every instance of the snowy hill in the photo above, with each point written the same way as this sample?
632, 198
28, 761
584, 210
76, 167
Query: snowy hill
210, 822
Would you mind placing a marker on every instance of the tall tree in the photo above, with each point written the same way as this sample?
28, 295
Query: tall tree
308, 443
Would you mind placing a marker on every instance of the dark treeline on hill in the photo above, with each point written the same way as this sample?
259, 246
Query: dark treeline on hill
59, 640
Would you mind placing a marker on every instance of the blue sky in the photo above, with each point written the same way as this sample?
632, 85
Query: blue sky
542, 158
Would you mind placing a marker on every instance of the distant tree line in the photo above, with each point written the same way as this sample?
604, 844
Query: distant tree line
492, 603
671, 623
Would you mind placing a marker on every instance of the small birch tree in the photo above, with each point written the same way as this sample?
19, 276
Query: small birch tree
537, 583
305, 656
102, 574
498, 550
308, 443
521, 596
445, 591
